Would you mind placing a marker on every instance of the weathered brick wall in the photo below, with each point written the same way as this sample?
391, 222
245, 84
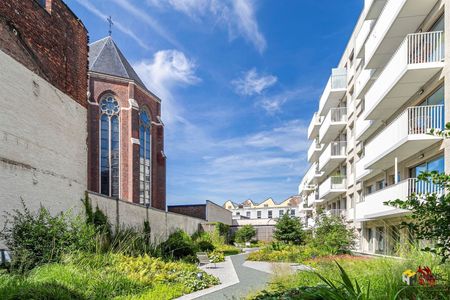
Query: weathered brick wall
51, 42
196, 211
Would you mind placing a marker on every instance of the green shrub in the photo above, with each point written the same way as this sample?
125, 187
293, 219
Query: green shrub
280, 252
216, 256
205, 246
178, 245
332, 233
38, 238
289, 230
245, 234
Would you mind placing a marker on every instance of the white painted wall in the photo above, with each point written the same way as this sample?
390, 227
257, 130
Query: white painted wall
43, 152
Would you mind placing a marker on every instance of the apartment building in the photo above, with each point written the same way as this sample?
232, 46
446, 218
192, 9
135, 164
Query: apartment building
369, 136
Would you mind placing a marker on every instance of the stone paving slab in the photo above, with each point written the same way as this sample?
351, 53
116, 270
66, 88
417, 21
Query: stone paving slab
275, 267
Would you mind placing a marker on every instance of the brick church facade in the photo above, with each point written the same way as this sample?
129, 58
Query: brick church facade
126, 136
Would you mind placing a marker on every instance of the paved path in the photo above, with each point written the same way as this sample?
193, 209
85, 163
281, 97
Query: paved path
250, 280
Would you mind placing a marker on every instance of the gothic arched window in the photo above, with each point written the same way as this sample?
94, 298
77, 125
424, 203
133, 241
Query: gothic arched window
145, 158
109, 146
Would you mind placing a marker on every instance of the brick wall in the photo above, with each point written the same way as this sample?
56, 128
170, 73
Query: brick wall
196, 211
50, 41
123, 90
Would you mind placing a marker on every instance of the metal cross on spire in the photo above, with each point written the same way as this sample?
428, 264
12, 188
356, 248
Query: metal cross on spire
110, 21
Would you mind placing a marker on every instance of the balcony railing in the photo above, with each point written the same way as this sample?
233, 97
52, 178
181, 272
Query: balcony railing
373, 206
423, 118
314, 151
336, 212
334, 90
425, 47
417, 120
332, 156
391, 26
418, 58
333, 186
316, 121
333, 123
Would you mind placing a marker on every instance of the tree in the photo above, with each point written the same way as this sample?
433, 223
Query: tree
245, 234
430, 213
289, 230
332, 233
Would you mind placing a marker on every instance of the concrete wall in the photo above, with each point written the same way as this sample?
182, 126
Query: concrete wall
42, 142
216, 213
130, 214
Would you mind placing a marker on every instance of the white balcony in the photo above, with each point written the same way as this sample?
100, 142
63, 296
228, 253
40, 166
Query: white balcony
333, 155
314, 151
333, 124
361, 173
373, 8
332, 187
334, 91
313, 129
336, 212
373, 205
398, 18
364, 128
313, 197
405, 136
419, 58
363, 82
362, 37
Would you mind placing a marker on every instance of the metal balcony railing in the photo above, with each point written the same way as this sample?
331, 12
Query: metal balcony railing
338, 114
423, 118
338, 79
425, 47
338, 182
338, 148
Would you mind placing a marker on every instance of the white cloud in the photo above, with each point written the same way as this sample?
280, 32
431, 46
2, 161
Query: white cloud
237, 16
93, 9
168, 70
253, 83
247, 24
147, 19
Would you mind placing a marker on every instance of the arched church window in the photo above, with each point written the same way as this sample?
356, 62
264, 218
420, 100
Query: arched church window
145, 157
109, 147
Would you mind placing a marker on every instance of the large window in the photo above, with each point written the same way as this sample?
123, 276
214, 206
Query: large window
436, 164
145, 158
109, 147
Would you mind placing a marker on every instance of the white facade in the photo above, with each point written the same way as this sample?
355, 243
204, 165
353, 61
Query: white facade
266, 210
369, 136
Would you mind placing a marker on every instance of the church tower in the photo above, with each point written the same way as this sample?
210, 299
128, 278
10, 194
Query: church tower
125, 134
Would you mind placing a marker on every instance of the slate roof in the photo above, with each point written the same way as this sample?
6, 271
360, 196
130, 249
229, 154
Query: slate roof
106, 58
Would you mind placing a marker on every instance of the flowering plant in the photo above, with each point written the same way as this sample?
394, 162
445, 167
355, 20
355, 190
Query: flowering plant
425, 276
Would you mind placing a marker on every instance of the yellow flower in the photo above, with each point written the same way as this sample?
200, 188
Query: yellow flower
409, 273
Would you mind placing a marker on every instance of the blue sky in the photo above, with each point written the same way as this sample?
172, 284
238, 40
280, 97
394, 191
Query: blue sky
239, 79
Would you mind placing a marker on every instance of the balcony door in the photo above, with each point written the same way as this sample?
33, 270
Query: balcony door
432, 116
436, 164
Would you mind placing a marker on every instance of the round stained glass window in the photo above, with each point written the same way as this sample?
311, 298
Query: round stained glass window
109, 106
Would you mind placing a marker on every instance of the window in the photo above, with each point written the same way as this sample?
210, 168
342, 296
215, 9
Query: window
381, 184
436, 164
269, 214
238, 214
109, 147
281, 213
42, 3
258, 214
369, 189
292, 212
145, 158
247, 214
